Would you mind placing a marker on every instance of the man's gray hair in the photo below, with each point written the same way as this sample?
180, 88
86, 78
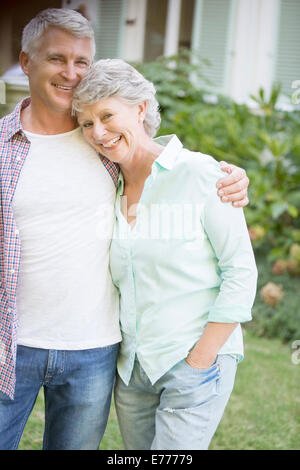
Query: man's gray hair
68, 20
115, 77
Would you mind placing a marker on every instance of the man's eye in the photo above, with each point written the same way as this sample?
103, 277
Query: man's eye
107, 116
87, 124
83, 63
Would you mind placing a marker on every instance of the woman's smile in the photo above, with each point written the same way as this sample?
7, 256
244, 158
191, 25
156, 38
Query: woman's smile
112, 127
111, 144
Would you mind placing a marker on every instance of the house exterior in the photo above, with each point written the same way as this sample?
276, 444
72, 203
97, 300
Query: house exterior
249, 43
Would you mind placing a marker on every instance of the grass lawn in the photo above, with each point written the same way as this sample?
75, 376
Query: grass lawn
263, 411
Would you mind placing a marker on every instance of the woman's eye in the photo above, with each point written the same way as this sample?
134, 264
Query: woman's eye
87, 124
107, 116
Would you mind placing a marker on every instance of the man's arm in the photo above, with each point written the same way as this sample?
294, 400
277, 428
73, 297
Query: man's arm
234, 187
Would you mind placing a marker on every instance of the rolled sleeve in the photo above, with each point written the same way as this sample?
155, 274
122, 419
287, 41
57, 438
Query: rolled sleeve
227, 231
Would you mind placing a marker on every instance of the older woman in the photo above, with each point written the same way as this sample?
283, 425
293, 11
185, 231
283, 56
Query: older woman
183, 264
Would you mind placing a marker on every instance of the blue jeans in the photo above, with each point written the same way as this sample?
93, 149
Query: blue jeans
77, 387
180, 411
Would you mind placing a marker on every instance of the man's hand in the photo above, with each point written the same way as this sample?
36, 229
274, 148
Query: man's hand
234, 187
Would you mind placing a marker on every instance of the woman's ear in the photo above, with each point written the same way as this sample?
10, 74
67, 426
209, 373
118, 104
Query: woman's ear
24, 61
142, 111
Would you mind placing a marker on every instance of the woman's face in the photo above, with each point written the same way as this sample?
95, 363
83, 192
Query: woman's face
113, 128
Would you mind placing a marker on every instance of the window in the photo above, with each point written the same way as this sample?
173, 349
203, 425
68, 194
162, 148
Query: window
213, 32
109, 28
155, 29
287, 68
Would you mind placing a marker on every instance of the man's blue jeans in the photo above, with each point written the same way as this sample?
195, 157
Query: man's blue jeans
77, 387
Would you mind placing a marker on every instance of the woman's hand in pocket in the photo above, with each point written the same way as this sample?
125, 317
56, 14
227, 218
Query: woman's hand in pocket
200, 361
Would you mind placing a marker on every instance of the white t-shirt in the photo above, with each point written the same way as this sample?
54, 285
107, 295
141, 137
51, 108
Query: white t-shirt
64, 210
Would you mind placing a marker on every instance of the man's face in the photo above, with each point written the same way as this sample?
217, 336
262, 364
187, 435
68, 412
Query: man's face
56, 68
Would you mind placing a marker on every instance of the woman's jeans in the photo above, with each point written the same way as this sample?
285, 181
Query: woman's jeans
180, 411
77, 388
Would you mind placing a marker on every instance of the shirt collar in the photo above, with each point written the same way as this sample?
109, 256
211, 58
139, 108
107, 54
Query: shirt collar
14, 120
169, 155
165, 160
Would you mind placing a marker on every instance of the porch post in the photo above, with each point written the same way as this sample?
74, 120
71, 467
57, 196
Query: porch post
172, 27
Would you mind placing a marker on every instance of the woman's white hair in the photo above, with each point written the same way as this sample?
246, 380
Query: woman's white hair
68, 20
115, 77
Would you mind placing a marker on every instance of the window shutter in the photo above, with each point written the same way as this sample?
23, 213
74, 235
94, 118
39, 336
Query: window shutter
213, 36
109, 27
287, 67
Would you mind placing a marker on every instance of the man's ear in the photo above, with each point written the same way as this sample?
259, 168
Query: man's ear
24, 61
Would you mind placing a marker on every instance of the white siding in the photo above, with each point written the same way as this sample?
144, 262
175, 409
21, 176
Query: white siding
288, 51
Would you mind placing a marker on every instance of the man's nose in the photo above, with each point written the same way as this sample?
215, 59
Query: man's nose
69, 72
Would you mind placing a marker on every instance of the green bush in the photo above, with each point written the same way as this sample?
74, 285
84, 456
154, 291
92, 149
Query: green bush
283, 320
264, 140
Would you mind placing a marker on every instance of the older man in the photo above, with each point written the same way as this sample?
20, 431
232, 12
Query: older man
58, 307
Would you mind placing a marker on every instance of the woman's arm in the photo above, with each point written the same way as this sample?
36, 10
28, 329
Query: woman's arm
227, 232
206, 349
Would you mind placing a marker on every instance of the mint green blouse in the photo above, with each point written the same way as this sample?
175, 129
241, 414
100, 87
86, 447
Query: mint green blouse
187, 261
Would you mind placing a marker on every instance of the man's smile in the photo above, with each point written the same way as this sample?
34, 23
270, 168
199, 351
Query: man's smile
63, 87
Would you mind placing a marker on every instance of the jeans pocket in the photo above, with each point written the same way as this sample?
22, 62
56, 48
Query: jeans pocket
215, 365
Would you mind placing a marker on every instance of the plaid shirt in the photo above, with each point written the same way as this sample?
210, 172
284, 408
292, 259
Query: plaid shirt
14, 148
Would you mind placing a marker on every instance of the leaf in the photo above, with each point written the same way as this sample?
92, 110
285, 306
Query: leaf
275, 254
294, 198
296, 235
293, 211
278, 208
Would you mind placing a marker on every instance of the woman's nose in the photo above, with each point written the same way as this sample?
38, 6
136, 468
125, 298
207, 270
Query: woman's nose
99, 132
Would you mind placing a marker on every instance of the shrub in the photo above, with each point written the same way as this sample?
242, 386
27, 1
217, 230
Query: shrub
266, 142
283, 319
263, 140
